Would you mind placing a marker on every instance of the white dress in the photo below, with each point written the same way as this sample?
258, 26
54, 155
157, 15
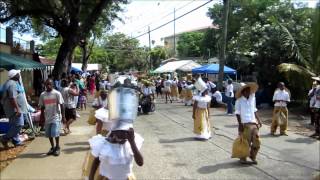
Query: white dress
116, 160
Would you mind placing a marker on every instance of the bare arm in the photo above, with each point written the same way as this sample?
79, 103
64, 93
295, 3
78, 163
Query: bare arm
195, 104
240, 128
94, 168
258, 120
136, 153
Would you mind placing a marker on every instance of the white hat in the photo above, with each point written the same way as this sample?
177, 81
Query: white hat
122, 125
200, 85
253, 88
12, 73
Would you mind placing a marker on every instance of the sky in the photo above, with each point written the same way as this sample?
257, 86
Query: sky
140, 14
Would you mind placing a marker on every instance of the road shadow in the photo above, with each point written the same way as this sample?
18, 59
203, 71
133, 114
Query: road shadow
305, 140
217, 167
177, 140
83, 143
75, 149
33, 155
231, 126
268, 136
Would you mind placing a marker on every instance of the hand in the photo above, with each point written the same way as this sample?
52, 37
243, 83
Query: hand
130, 135
259, 124
18, 113
240, 128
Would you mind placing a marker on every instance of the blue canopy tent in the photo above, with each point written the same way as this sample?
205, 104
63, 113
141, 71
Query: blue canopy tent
76, 70
213, 69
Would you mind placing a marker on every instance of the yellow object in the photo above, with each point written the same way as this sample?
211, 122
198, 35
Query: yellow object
280, 118
174, 91
240, 148
201, 120
183, 94
189, 94
92, 120
189, 77
87, 167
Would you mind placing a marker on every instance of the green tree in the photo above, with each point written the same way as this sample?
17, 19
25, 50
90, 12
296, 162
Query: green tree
190, 44
157, 54
124, 53
72, 20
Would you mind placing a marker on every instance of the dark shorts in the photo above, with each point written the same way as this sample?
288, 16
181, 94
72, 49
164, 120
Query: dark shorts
70, 114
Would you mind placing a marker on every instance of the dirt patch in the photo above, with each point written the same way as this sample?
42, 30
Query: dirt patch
8, 155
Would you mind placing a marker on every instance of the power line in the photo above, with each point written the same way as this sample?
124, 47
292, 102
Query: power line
172, 20
170, 13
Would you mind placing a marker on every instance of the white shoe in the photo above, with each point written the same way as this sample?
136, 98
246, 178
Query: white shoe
78, 115
230, 114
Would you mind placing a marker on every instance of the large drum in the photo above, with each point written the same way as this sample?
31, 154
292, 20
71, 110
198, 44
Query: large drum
123, 104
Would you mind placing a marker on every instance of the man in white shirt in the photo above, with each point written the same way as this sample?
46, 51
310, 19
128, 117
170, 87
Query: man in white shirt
249, 122
317, 109
230, 95
217, 99
312, 101
280, 113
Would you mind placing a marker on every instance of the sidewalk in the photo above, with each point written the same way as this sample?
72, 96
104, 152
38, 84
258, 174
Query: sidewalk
34, 164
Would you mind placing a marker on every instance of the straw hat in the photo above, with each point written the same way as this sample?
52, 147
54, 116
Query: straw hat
316, 78
253, 88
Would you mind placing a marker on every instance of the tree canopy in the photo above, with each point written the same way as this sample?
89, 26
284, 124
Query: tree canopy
190, 44
72, 20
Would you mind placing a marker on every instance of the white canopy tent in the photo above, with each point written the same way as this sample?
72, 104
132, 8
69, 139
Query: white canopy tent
90, 67
183, 65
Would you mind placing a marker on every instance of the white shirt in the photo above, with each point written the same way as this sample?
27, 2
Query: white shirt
246, 109
116, 159
147, 91
229, 90
312, 98
218, 96
281, 95
100, 102
167, 83
202, 101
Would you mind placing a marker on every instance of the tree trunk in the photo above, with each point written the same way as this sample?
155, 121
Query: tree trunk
64, 56
224, 43
84, 58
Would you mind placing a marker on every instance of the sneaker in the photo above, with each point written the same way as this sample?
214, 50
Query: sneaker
254, 161
51, 151
78, 115
284, 134
56, 151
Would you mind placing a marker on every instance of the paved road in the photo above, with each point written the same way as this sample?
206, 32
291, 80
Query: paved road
170, 151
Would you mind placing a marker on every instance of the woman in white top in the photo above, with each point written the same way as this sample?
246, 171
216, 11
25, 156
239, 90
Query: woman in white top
167, 89
174, 89
115, 154
201, 113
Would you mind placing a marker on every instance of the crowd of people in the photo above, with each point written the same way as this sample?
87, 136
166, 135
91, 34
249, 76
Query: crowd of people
61, 100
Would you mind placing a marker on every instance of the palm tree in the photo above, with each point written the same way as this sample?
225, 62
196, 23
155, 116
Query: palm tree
307, 67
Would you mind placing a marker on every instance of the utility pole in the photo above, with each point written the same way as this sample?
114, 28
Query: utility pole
174, 32
224, 43
149, 48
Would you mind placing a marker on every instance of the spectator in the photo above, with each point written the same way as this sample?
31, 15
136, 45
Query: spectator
14, 105
229, 95
52, 110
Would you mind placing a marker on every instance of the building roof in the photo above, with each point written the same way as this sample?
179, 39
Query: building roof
46, 61
90, 67
183, 65
194, 30
8, 62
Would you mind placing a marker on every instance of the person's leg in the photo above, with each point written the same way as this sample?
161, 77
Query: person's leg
284, 125
312, 115
229, 105
98, 126
166, 94
274, 123
15, 126
56, 134
255, 145
248, 137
